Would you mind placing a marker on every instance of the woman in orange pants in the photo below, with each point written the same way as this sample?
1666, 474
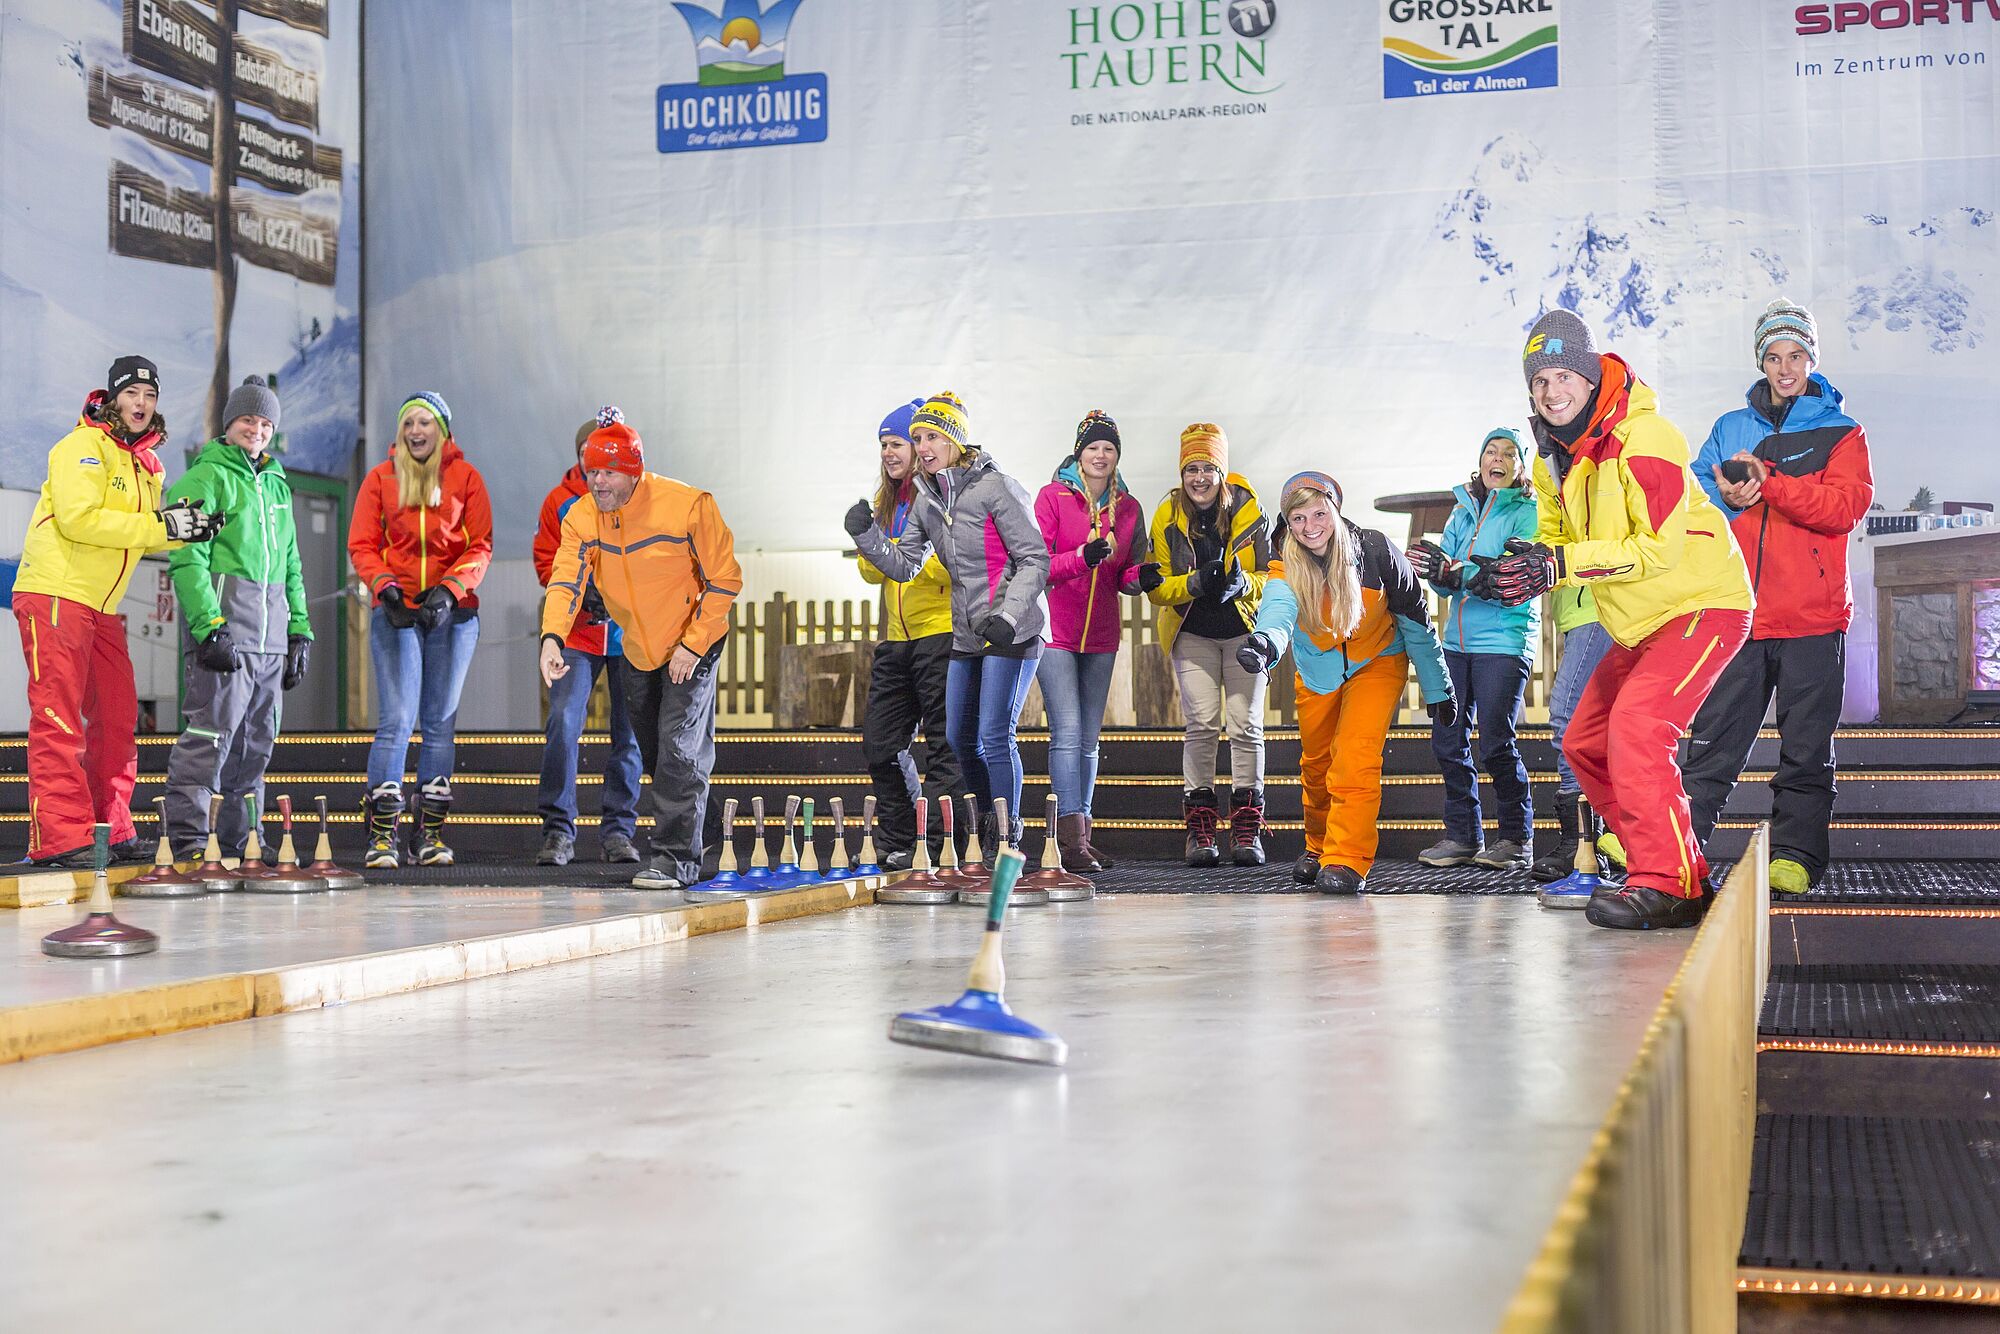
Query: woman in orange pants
1351, 610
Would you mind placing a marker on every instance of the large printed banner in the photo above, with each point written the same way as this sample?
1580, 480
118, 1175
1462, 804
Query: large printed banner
1324, 226
255, 171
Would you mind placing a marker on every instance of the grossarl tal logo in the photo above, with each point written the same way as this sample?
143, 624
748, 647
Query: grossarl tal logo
742, 97
1170, 42
1433, 47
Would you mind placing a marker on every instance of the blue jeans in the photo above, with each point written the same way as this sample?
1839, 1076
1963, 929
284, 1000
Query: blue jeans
1074, 687
1490, 688
418, 678
982, 704
1582, 649
569, 700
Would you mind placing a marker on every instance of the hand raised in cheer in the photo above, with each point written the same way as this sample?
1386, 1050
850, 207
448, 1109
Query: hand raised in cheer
859, 519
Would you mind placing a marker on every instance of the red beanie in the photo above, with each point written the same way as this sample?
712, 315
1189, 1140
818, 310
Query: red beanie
614, 448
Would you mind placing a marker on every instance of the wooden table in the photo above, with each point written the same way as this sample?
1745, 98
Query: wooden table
1427, 510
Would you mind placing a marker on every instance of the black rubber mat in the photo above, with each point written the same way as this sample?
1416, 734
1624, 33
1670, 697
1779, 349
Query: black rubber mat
1907, 884
1388, 877
507, 875
1883, 1002
1871, 1195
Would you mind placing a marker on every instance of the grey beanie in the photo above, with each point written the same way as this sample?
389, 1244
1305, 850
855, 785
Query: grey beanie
252, 398
1561, 338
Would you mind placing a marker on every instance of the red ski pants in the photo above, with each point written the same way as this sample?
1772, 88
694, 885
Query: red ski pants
83, 714
1624, 742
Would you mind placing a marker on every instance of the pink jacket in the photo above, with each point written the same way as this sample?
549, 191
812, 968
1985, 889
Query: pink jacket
1083, 603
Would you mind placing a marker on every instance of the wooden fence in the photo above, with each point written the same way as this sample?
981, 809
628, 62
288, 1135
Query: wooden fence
747, 689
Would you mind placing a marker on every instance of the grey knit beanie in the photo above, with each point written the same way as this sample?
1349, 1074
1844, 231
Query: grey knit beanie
1561, 338
252, 398
1785, 319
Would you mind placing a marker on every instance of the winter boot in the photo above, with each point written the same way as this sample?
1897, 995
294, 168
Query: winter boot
1341, 880
1199, 810
432, 809
1075, 845
1560, 860
1305, 871
1246, 826
1090, 845
1643, 908
385, 813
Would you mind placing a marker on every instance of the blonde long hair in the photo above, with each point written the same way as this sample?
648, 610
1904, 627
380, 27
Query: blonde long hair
419, 482
1329, 586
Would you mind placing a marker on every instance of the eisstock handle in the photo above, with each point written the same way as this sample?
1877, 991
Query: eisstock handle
1007, 865
806, 825
100, 847
757, 815
923, 817
791, 812
944, 815
837, 809
867, 814
319, 803
285, 813
1001, 828
1051, 854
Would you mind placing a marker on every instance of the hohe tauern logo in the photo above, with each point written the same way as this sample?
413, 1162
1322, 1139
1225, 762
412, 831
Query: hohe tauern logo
742, 98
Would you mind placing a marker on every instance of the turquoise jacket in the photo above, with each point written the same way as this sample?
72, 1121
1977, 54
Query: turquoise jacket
1472, 624
1394, 619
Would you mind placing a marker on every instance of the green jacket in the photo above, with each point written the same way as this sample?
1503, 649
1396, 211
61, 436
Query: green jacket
247, 578
1574, 606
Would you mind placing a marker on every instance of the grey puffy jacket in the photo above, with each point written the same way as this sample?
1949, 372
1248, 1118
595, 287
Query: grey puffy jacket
981, 523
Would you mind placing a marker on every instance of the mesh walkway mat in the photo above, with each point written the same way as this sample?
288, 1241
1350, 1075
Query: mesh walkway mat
1906, 884
1948, 1003
1388, 877
1871, 1195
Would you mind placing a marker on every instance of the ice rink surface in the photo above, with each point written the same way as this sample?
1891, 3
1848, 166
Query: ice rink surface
1279, 1113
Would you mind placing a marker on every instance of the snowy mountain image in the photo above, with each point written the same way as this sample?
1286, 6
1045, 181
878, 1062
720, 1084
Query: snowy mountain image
1518, 225
1940, 296
317, 389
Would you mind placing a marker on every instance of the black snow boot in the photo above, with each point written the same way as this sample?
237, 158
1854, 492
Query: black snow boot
1560, 860
432, 811
1198, 808
385, 813
1246, 826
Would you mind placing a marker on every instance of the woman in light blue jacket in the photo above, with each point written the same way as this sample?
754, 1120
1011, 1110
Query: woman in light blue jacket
1489, 649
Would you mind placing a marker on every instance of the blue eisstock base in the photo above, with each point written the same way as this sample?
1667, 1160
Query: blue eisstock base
979, 1023
1572, 891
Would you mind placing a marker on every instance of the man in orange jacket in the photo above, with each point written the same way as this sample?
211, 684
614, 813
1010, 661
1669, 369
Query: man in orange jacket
664, 562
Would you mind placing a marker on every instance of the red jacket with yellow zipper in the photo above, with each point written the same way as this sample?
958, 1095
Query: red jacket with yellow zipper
449, 542
664, 563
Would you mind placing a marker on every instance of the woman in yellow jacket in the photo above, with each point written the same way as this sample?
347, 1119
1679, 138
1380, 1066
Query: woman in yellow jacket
906, 684
1210, 548
99, 512
1621, 515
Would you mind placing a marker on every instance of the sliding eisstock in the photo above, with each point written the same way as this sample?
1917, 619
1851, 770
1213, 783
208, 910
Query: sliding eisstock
921, 885
162, 881
979, 1023
787, 874
808, 850
100, 935
980, 893
1062, 886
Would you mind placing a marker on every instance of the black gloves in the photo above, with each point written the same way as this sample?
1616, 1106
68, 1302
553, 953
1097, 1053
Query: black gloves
1432, 565
1204, 578
1444, 713
1736, 470
436, 609
186, 521
1150, 577
996, 630
860, 518
1480, 582
1095, 551
298, 653
401, 615
218, 652
1238, 585
593, 607
1527, 571
1257, 653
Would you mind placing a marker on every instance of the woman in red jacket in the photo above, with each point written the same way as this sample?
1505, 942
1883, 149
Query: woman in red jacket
421, 538
1091, 523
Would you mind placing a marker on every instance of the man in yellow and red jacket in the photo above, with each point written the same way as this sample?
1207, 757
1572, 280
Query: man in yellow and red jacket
664, 562
98, 514
1620, 514
593, 648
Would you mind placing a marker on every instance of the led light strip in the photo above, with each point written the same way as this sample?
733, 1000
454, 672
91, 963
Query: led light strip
1884, 910
1873, 1047
1808, 1282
